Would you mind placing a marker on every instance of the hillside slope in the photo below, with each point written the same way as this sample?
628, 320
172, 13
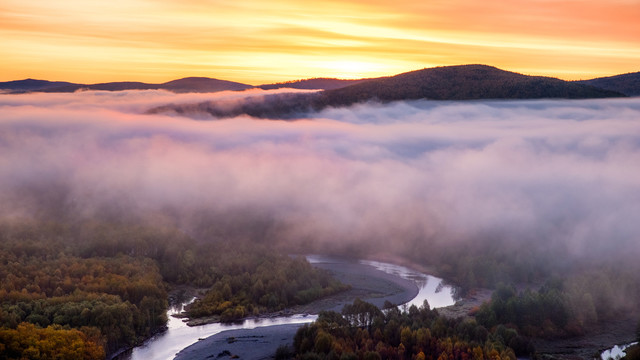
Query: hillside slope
31, 85
464, 82
313, 84
190, 84
203, 84
628, 84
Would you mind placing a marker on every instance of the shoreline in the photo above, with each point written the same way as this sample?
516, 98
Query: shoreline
376, 286
596, 339
367, 283
254, 344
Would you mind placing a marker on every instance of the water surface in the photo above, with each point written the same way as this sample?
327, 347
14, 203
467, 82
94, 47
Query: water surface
430, 288
178, 336
616, 352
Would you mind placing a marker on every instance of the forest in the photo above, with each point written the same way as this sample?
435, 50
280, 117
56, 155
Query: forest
465, 82
561, 307
91, 289
362, 331
88, 289
273, 284
501, 329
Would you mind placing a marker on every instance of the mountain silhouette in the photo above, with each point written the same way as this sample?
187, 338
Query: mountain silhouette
31, 85
313, 84
189, 84
463, 82
628, 84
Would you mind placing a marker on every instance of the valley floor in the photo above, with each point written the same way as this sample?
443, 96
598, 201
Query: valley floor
367, 283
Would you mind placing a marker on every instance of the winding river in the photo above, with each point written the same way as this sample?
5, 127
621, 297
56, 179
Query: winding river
178, 336
430, 288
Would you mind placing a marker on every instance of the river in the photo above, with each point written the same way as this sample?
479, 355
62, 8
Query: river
616, 352
430, 288
178, 336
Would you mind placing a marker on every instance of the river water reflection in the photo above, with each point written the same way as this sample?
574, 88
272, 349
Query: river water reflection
166, 345
430, 288
178, 336
616, 352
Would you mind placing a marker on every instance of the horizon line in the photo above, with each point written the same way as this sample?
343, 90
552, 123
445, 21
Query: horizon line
310, 78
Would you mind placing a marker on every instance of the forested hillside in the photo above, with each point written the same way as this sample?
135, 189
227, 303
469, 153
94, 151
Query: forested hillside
628, 84
103, 286
466, 82
314, 83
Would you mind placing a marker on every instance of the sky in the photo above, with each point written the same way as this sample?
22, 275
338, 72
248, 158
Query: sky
259, 41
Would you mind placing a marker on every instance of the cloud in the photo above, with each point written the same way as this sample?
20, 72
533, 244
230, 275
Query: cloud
560, 174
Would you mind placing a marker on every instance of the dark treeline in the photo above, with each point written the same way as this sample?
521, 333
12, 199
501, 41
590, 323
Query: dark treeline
268, 284
592, 288
365, 332
270, 106
103, 286
466, 82
500, 329
487, 262
313, 83
628, 84
563, 307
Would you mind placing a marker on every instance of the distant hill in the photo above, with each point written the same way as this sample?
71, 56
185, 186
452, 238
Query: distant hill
313, 84
31, 85
467, 82
203, 84
190, 84
464, 82
628, 84
112, 86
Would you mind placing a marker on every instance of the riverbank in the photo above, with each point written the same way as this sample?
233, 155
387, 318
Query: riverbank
255, 344
597, 338
367, 283
465, 307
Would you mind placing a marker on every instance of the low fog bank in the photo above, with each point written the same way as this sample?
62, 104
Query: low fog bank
551, 177
280, 104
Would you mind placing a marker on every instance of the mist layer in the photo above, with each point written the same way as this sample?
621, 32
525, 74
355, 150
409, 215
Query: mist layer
561, 174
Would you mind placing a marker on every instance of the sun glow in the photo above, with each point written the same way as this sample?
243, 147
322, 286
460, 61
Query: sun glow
259, 41
346, 69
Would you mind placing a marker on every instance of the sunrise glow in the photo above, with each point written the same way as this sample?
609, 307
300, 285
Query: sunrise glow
258, 41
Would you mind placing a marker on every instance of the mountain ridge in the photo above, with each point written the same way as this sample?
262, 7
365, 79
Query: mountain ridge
459, 82
31, 84
314, 84
187, 84
628, 84
465, 82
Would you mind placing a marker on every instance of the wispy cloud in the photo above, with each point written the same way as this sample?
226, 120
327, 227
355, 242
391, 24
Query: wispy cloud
268, 41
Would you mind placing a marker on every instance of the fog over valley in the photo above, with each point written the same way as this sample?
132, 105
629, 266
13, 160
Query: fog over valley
553, 176
320, 180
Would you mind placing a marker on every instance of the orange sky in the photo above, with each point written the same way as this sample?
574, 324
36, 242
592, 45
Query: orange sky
262, 41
